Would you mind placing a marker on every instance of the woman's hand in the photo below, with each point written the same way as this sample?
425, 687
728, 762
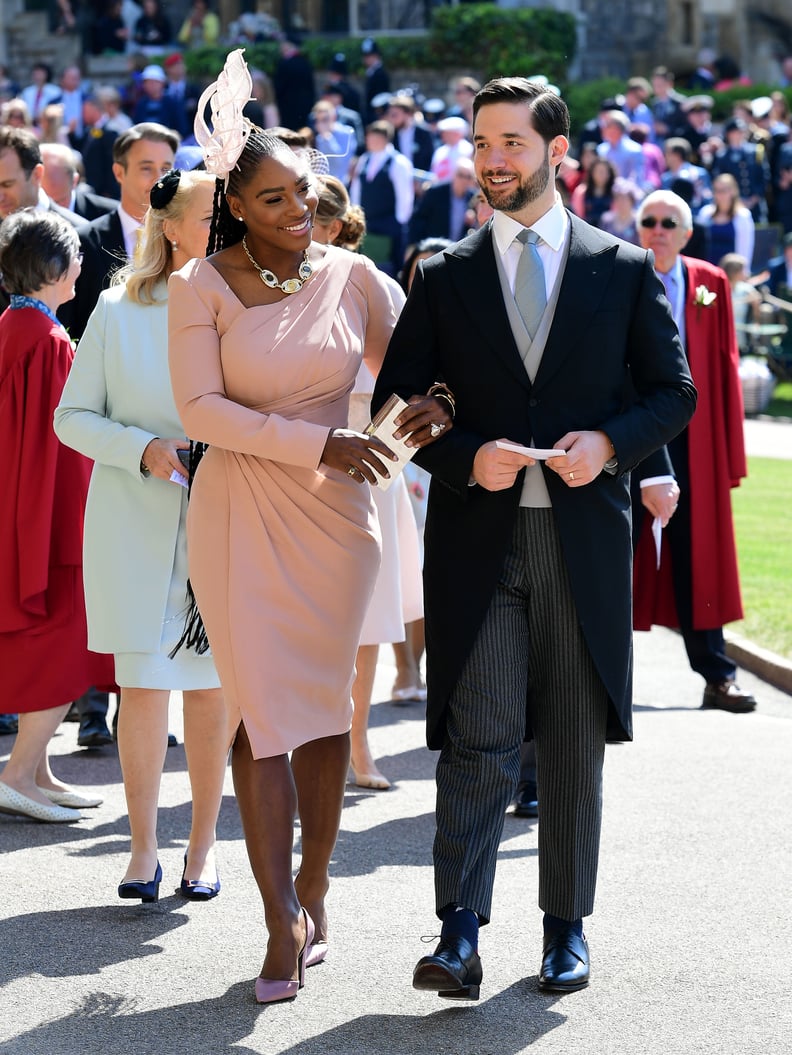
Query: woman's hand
360, 457
425, 420
160, 457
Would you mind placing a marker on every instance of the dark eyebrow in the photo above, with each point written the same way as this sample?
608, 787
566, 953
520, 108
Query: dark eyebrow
502, 135
280, 190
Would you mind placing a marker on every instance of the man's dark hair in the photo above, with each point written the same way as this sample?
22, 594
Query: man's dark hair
25, 145
149, 130
548, 111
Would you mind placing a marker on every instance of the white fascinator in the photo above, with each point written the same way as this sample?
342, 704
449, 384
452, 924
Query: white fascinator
225, 140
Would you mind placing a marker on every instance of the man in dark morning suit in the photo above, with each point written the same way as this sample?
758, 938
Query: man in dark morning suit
696, 586
140, 156
527, 572
442, 210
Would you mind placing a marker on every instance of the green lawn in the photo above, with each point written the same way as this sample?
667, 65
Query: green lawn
762, 507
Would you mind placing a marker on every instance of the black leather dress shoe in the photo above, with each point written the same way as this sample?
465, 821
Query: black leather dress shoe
565, 962
527, 803
452, 971
9, 724
728, 696
94, 732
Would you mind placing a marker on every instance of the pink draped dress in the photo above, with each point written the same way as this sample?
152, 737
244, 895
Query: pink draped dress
283, 551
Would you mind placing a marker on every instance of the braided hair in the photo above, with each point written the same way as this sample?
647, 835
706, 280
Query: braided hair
226, 230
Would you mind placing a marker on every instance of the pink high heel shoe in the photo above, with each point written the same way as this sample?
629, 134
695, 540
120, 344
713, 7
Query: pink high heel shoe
270, 991
316, 954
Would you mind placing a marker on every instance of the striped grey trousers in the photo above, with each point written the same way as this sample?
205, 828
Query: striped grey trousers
529, 649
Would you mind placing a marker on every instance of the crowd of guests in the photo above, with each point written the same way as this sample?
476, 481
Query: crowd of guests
309, 224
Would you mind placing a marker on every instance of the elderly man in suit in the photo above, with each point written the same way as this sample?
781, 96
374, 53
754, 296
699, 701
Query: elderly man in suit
696, 586
442, 211
21, 176
61, 181
528, 572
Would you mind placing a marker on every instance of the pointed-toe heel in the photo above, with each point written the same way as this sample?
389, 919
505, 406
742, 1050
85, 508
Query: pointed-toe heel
198, 889
272, 991
315, 953
141, 891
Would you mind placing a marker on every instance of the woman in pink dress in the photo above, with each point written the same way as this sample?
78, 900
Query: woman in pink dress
266, 338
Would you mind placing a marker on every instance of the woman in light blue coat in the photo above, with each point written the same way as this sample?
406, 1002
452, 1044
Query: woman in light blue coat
117, 408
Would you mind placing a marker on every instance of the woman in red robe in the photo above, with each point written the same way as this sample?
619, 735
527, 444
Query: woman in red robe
44, 659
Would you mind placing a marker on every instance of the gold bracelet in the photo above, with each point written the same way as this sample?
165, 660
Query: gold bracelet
441, 391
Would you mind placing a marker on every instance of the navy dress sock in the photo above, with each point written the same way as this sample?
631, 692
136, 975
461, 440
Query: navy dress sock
554, 923
460, 922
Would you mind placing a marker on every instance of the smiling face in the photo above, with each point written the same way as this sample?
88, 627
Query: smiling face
278, 203
515, 167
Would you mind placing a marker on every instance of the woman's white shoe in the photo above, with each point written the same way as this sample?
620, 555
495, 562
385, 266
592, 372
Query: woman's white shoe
19, 805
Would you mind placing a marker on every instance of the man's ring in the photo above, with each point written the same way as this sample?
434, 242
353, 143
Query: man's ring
351, 470
435, 429
571, 476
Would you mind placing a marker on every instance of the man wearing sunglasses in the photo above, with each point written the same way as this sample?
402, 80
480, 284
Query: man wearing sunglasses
696, 586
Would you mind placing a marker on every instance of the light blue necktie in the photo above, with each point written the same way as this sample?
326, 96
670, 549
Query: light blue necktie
670, 290
529, 284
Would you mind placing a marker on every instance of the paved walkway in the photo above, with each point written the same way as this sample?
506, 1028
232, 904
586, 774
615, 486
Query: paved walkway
690, 940
768, 438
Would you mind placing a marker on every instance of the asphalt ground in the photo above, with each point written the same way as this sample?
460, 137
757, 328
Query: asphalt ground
690, 939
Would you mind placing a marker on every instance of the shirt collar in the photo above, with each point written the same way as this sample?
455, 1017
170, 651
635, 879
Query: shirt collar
676, 273
129, 224
551, 227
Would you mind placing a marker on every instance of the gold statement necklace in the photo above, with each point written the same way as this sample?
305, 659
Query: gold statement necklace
269, 278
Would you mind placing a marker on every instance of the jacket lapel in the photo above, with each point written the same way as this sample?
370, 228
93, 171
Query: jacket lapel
587, 274
474, 272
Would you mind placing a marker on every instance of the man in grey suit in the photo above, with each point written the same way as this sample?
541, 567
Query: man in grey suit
528, 562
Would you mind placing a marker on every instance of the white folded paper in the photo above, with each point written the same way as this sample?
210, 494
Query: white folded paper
538, 453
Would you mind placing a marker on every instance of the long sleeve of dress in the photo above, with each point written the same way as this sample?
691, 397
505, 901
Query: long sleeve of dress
81, 418
206, 411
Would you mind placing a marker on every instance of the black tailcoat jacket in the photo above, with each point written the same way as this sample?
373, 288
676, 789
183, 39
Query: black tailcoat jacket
612, 361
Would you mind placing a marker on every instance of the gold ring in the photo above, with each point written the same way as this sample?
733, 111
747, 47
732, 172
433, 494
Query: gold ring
571, 476
351, 470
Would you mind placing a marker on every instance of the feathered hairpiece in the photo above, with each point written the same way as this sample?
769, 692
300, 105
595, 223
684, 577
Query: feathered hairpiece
225, 140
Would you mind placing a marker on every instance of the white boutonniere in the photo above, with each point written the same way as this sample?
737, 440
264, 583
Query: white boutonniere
704, 298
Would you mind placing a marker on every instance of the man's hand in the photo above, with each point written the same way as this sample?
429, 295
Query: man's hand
495, 469
586, 454
661, 500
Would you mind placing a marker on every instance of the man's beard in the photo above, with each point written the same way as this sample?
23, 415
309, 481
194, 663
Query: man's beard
527, 190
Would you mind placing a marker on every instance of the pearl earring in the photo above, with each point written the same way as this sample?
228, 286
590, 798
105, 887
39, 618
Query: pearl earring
241, 219
175, 245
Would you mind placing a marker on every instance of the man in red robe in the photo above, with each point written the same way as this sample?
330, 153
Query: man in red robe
696, 585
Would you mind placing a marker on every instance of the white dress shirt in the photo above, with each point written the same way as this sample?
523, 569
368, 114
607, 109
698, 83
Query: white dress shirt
552, 231
401, 176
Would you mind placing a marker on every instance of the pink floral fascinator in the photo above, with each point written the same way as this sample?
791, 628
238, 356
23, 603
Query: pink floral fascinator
225, 140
